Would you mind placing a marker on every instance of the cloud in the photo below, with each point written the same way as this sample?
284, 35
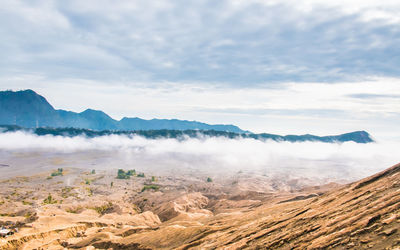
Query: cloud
283, 112
373, 96
268, 66
291, 108
236, 43
322, 161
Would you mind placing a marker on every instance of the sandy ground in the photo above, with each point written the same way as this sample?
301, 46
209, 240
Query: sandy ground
87, 206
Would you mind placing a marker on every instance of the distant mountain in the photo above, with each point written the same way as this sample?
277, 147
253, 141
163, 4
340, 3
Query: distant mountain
28, 109
358, 136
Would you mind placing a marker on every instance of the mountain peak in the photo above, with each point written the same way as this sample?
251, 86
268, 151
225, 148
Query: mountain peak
93, 111
26, 108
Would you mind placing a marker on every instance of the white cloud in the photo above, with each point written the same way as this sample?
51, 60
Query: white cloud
234, 42
199, 60
291, 108
321, 161
44, 14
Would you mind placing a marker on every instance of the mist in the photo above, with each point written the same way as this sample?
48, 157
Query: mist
207, 155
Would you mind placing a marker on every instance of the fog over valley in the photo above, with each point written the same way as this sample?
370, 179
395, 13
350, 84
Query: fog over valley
323, 162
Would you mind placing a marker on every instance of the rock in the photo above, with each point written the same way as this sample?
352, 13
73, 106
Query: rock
390, 231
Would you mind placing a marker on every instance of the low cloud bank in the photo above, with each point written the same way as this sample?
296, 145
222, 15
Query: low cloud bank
346, 161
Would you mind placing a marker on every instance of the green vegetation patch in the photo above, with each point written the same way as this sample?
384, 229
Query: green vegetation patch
106, 208
49, 200
75, 210
8, 215
66, 192
150, 187
125, 175
27, 203
59, 172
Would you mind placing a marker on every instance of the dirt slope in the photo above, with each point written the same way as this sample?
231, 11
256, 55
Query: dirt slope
364, 214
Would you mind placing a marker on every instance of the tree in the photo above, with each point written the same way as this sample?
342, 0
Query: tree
58, 172
131, 172
122, 175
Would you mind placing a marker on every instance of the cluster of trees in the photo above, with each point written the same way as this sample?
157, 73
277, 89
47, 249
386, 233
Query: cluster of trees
58, 172
122, 174
358, 136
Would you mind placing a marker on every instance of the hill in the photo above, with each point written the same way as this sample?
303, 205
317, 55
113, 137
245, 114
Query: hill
357, 136
28, 109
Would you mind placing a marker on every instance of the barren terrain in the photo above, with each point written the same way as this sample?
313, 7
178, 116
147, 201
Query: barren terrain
89, 207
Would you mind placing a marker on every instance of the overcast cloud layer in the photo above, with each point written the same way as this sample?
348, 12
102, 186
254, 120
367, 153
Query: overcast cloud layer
235, 42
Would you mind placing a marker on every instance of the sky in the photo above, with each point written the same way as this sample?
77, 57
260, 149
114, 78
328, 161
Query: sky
286, 67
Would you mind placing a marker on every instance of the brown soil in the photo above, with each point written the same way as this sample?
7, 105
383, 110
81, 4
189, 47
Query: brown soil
188, 212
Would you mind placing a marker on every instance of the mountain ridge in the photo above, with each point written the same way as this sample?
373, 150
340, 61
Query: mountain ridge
357, 136
28, 109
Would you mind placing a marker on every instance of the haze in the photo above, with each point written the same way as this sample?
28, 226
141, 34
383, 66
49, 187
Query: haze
215, 156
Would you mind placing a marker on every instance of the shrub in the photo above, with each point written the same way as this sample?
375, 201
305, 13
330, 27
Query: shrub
90, 191
30, 217
122, 174
209, 179
58, 172
27, 203
131, 172
141, 175
66, 192
49, 200
104, 208
93, 171
74, 210
150, 187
